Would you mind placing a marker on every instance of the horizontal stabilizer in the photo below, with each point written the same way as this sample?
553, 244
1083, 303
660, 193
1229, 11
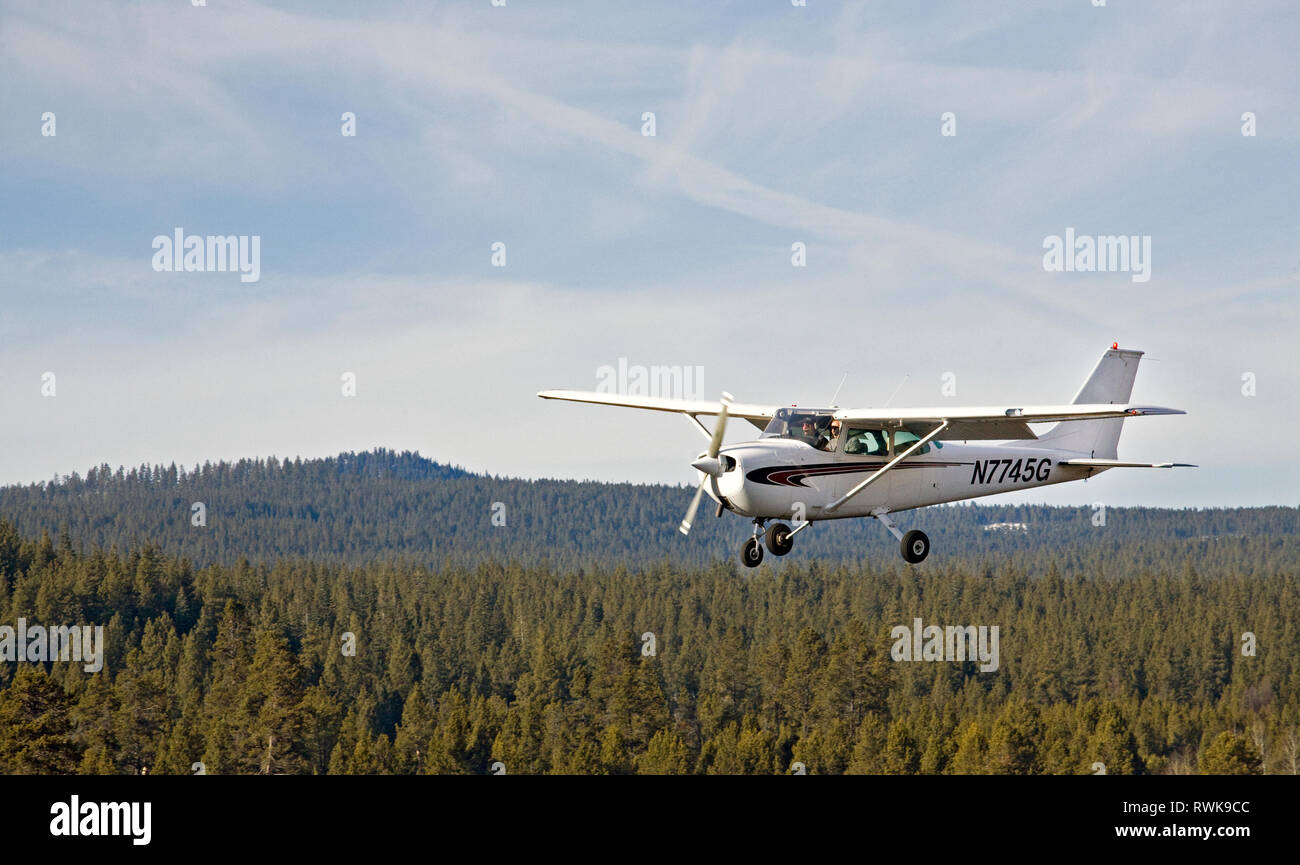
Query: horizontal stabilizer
1123, 464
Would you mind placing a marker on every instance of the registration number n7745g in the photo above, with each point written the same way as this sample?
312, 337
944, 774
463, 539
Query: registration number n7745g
1018, 471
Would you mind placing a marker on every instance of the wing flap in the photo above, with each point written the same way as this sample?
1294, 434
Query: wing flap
980, 430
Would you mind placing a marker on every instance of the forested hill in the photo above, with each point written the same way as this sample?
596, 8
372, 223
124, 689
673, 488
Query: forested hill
382, 504
1162, 641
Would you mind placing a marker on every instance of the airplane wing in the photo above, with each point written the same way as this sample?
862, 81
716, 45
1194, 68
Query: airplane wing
758, 415
997, 422
964, 422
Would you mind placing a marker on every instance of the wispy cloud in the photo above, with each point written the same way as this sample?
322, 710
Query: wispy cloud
523, 125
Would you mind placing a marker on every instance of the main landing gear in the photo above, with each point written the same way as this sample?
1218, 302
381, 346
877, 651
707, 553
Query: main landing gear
779, 539
915, 545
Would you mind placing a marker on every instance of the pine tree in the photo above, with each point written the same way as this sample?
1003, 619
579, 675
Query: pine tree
1015, 740
143, 713
666, 755
35, 726
272, 703
226, 724
411, 745
972, 752
1230, 754
1112, 744
902, 753
869, 747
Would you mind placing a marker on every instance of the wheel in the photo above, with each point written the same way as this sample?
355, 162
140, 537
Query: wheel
751, 553
778, 539
915, 546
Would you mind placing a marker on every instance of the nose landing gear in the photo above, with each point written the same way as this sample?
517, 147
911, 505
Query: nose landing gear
751, 552
779, 539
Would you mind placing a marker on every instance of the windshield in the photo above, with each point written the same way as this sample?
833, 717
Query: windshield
805, 424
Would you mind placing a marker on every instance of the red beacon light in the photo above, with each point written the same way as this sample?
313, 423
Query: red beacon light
1114, 346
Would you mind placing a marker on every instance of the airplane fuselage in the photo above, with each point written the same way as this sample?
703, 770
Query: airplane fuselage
790, 479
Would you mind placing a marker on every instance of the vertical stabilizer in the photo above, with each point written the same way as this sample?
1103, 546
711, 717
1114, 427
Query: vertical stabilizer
1111, 382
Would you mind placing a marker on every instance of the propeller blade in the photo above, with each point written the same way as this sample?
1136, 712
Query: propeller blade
710, 465
685, 527
720, 427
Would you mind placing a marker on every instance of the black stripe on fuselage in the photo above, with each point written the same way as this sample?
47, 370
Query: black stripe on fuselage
793, 476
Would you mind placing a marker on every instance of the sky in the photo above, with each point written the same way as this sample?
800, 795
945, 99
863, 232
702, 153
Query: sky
525, 125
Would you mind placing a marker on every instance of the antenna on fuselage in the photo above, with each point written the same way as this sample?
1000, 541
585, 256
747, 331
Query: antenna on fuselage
837, 390
895, 393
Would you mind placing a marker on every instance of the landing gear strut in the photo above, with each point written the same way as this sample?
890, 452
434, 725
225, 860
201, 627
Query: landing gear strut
915, 545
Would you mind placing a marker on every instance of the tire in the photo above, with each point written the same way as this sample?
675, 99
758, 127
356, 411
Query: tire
915, 547
778, 539
751, 553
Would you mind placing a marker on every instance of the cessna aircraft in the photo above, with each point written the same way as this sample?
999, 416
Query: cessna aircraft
812, 464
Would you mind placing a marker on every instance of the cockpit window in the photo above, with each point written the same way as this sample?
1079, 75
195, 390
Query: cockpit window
811, 426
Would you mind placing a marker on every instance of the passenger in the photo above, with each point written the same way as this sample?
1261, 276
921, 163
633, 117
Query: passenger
833, 435
826, 436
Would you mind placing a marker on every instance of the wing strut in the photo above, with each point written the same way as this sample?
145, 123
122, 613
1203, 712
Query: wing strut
835, 505
695, 422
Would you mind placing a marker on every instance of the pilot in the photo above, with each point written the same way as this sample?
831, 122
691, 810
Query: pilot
828, 436
808, 431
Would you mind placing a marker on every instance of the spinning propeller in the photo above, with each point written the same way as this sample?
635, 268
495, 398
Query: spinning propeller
710, 465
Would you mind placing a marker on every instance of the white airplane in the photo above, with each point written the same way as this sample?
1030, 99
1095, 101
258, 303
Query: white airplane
814, 464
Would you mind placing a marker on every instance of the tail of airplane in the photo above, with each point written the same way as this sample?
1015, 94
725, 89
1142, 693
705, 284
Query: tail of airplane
1111, 382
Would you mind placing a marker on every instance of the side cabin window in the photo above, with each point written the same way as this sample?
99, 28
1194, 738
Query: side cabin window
866, 442
904, 440
872, 442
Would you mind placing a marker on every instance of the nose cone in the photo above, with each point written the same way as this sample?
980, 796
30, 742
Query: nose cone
731, 486
711, 466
